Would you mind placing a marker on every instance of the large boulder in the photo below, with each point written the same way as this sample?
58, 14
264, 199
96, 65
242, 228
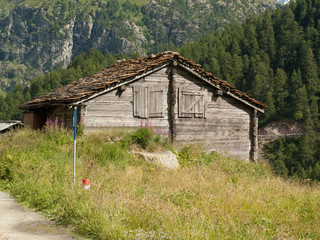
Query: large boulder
165, 159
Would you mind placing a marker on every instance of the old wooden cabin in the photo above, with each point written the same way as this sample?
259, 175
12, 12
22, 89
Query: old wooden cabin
175, 94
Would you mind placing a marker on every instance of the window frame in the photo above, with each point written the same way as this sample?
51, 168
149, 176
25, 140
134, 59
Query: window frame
192, 103
144, 102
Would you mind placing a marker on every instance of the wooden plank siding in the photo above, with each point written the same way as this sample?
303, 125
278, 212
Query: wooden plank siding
63, 115
225, 126
221, 123
117, 109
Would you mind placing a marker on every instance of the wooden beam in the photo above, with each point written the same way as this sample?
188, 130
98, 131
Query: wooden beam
217, 86
245, 102
218, 92
254, 136
172, 103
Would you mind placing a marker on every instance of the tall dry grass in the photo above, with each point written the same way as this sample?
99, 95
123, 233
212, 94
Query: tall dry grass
211, 198
4, 236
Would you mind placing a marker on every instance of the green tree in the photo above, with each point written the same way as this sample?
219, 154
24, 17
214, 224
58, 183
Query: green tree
307, 146
309, 69
3, 108
301, 103
266, 37
316, 171
250, 43
280, 91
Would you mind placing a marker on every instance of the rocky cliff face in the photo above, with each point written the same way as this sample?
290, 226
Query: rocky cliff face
30, 44
185, 21
34, 40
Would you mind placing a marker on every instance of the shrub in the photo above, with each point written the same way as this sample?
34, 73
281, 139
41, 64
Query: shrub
189, 155
147, 138
142, 137
57, 132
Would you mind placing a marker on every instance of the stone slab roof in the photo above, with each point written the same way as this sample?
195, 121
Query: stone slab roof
7, 125
126, 71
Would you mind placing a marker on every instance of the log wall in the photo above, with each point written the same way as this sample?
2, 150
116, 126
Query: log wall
115, 108
225, 126
34, 120
63, 115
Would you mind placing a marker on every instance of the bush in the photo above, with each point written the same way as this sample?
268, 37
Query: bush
147, 138
189, 154
142, 137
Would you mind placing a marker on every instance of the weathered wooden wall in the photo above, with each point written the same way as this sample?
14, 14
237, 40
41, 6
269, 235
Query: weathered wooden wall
225, 126
115, 108
63, 115
221, 123
34, 120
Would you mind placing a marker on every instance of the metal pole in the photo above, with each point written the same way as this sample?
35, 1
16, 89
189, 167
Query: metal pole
75, 146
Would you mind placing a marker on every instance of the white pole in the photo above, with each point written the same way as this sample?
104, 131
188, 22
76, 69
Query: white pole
75, 146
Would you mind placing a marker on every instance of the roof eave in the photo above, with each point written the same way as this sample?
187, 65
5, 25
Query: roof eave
245, 102
217, 86
125, 82
43, 105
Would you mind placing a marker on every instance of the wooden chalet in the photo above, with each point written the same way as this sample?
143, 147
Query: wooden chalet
175, 94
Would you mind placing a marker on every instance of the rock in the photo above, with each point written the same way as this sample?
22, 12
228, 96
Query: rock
165, 159
281, 128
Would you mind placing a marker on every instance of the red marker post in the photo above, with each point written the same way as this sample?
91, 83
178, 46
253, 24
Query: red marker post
86, 184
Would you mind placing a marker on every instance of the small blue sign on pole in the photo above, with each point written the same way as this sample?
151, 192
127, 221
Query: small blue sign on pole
75, 145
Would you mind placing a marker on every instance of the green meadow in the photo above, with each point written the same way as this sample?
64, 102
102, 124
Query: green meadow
209, 197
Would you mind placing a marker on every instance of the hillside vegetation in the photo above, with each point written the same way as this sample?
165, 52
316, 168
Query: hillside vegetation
210, 197
81, 66
39, 36
275, 58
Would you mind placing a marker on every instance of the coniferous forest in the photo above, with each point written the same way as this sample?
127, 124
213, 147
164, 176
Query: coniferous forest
274, 57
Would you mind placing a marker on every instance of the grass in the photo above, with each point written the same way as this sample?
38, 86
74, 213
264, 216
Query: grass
4, 236
210, 197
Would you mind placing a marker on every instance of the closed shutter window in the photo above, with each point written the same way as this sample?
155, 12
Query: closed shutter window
147, 102
192, 103
156, 96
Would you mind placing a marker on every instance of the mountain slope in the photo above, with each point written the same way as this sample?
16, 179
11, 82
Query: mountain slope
37, 36
275, 57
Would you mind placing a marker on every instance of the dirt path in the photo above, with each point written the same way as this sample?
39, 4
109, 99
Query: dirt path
16, 223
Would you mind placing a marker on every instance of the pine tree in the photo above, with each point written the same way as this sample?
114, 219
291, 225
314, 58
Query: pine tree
288, 36
266, 37
309, 69
280, 91
262, 78
3, 108
250, 43
270, 112
301, 103
316, 171
307, 145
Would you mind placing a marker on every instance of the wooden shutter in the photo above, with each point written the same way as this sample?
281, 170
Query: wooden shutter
191, 103
156, 97
140, 101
